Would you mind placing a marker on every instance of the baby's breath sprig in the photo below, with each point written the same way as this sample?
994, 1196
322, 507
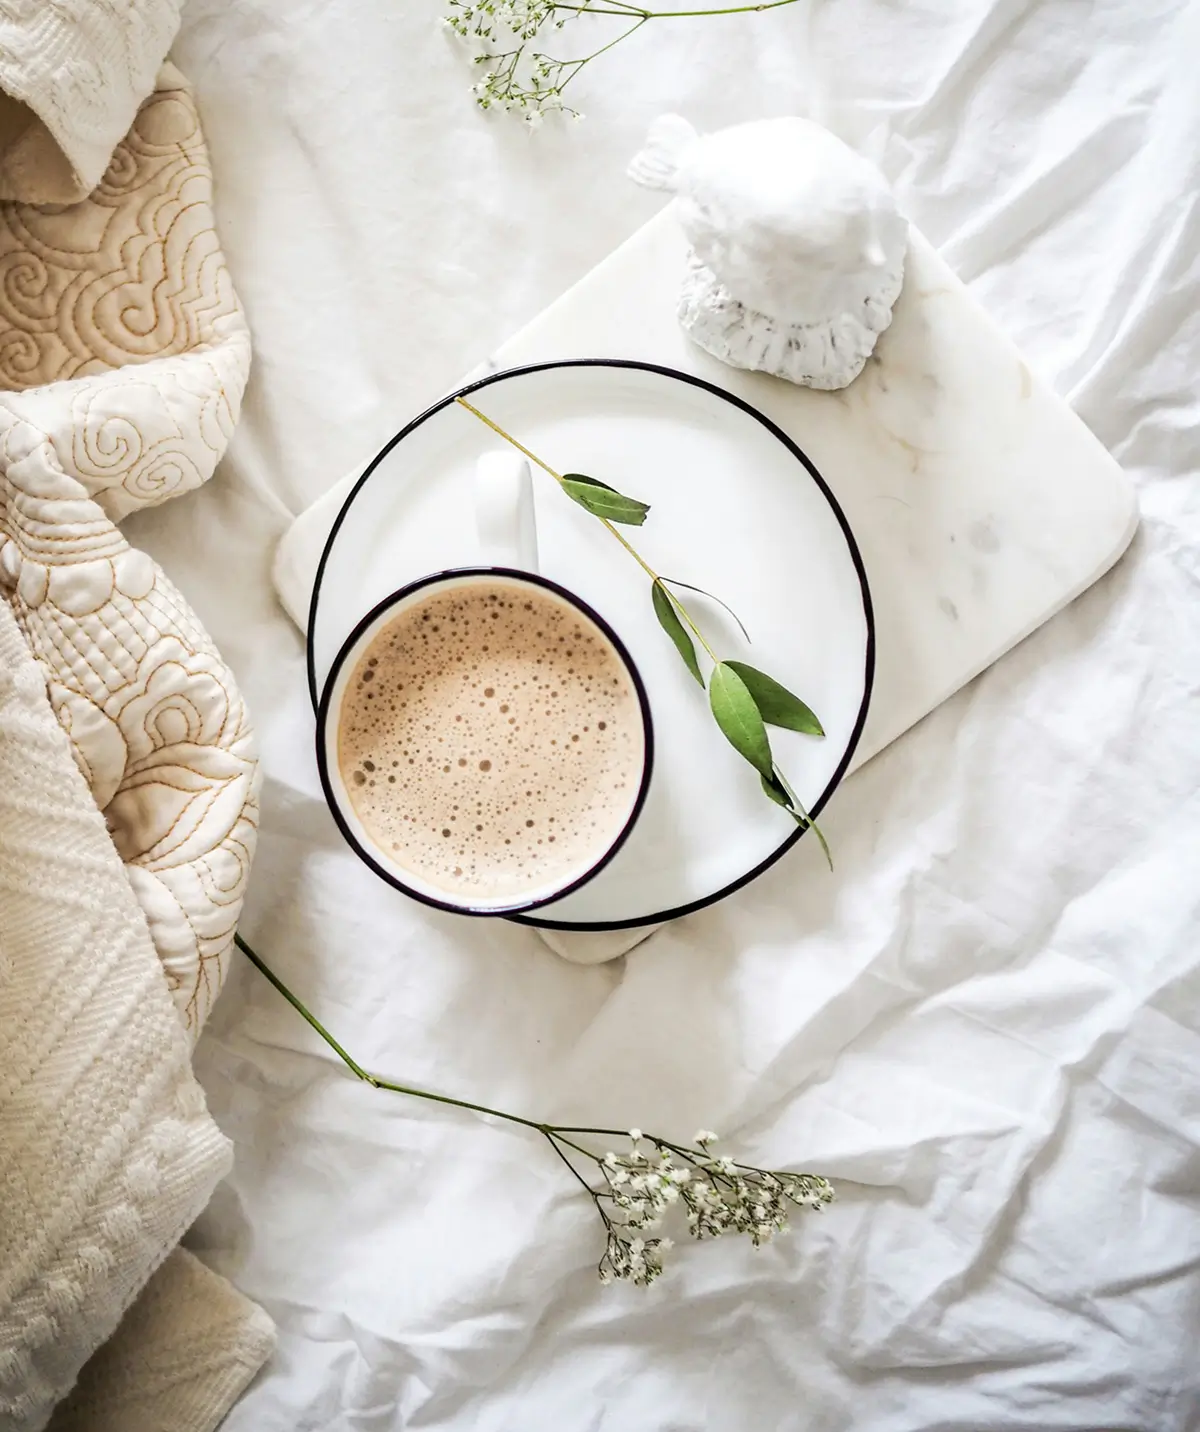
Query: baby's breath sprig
715, 1195
743, 700
637, 1191
524, 78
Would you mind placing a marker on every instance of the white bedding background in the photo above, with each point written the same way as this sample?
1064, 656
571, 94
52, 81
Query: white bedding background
985, 1024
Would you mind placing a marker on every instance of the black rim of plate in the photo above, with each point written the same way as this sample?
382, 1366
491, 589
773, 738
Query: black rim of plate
676, 912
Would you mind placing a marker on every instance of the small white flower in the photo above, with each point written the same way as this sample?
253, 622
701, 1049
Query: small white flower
703, 1137
635, 1135
534, 119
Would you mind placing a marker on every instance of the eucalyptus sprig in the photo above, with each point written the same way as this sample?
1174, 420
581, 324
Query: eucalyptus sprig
522, 77
634, 1191
744, 701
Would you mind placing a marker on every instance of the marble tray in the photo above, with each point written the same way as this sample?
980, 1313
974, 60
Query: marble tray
981, 503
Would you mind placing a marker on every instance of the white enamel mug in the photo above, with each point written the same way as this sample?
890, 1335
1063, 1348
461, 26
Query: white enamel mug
507, 536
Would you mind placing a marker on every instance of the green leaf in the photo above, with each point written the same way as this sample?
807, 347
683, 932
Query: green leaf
776, 704
587, 481
664, 610
737, 715
604, 501
687, 586
774, 789
816, 830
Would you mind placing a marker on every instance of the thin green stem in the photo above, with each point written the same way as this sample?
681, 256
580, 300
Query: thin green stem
686, 615
583, 1183
508, 438
379, 1083
458, 1103
675, 582
269, 974
607, 1133
621, 538
579, 1148
355, 1068
577, 65
595, 10
672, 14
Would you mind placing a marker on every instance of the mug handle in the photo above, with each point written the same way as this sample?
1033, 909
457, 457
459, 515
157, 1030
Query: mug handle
504, 515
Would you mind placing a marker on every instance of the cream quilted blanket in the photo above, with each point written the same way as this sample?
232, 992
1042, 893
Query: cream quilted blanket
123, 356
124, 353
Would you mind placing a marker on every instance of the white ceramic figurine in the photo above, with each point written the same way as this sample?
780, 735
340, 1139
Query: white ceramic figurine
797, 246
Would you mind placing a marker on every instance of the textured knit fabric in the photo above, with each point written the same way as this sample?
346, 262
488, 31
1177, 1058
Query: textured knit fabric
73, 73
108, 1151
182, 1354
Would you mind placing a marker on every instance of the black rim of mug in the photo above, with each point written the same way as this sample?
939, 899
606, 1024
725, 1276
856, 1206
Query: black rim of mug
448, 577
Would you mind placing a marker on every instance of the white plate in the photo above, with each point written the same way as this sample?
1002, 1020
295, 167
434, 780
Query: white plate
736, 508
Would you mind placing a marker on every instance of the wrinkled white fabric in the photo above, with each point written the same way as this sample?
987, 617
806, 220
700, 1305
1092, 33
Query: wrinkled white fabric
986, 1023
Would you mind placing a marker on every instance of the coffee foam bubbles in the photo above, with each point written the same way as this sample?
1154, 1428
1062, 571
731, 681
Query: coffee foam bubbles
491, 741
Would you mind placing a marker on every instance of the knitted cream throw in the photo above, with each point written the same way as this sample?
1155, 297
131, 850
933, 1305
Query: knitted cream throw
72, 74
107, 1152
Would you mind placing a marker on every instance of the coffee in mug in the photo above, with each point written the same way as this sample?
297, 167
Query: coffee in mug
490, 746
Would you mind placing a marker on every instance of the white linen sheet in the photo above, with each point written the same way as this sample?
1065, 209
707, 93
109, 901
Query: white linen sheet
985, 1024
